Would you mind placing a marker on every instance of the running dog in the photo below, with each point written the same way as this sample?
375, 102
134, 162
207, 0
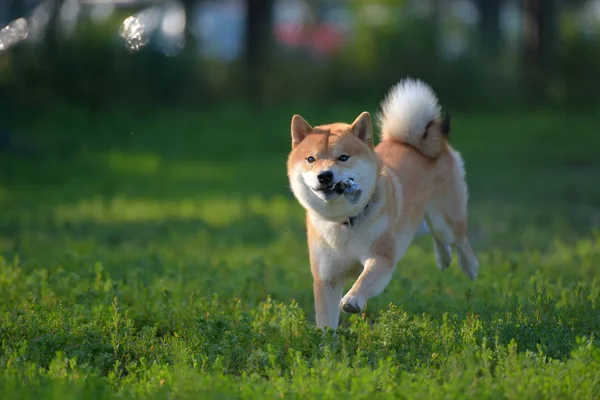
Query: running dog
412, 175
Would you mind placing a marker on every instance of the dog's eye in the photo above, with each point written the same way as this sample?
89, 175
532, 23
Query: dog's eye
310, 159
343, 158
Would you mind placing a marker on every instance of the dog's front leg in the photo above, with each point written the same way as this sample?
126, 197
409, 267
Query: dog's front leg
327, 297
376, 275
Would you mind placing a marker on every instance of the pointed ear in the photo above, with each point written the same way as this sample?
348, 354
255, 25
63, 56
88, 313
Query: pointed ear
300, 130
362, 128
445, 126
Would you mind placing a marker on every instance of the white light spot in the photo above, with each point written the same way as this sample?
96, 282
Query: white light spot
136, 30
38, 21
13, 33
173, 23
466, 12
69, 10
101, 12
68, 17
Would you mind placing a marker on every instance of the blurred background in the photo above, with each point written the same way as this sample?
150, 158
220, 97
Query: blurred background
478, 54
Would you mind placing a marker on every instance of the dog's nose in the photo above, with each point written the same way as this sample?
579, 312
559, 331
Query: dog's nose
325, 177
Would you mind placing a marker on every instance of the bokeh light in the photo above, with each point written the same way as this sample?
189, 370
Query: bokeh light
100, 13
137, 29
162, 26
13, 33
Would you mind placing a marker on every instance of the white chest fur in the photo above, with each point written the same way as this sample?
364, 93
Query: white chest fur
342, 248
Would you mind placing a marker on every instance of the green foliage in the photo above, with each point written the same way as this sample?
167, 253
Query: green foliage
94, 69
162, 256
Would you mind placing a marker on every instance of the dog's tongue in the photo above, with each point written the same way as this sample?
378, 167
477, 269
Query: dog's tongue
350, 189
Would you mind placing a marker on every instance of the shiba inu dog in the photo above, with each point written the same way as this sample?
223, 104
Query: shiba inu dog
411, 175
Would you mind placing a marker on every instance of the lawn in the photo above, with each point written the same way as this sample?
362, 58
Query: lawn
163, 256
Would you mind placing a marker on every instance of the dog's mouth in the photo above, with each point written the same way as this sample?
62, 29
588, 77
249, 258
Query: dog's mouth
326, 192
329, 192
326, 188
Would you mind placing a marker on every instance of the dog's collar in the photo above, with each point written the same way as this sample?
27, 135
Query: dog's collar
350, 221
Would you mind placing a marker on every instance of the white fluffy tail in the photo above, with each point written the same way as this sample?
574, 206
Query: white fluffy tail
407, 111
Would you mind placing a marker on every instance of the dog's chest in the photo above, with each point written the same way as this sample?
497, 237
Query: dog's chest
353, 241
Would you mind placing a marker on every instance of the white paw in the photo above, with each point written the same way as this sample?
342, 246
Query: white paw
352, 303
470, 266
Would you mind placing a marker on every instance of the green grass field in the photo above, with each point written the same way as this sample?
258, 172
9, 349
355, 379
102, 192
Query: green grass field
163, 256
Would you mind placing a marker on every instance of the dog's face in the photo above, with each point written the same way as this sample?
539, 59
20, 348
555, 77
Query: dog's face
324, 156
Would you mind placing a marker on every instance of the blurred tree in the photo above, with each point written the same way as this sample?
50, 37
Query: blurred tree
540, 29
188, 6
259, 21
489, 26
539, 42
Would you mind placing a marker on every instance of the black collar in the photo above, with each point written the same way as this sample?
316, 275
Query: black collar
350, 220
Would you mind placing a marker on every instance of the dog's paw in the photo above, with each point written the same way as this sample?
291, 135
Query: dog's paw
470, 267
468, 262
352, 303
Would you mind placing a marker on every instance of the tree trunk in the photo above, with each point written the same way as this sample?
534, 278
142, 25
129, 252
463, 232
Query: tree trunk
259, 20
539, 41
188, 7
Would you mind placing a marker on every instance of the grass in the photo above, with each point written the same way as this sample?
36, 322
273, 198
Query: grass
163, 256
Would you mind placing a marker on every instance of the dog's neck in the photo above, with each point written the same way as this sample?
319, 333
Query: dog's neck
378, 193
350, 221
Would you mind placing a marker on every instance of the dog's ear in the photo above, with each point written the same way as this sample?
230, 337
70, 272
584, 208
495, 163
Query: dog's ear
362, 128
445, 125
300, 130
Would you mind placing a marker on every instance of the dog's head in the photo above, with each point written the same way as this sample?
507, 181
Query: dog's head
325, 155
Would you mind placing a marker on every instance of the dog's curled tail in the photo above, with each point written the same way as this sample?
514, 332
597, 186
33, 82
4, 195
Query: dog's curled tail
411, 114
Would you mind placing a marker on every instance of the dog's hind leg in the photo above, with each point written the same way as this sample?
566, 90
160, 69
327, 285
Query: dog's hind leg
443, 254
441, 237
449, 233
466, 258
446, 216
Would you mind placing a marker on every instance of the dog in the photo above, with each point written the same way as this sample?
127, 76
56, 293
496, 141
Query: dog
412, 175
